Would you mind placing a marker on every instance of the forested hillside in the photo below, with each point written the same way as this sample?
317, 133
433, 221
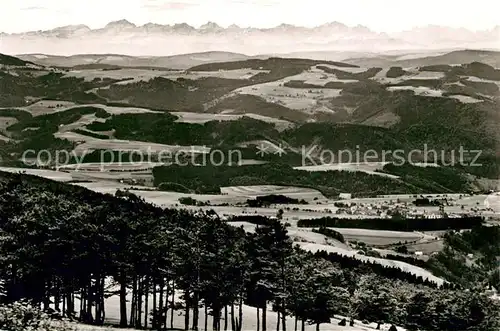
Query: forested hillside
59, 241
331, 105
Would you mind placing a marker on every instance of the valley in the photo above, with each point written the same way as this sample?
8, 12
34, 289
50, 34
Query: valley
338, 169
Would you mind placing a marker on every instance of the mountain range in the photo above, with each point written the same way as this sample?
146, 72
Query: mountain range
124, 37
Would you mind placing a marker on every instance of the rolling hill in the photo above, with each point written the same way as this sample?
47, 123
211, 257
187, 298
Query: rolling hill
182, 61
416, 60
331, 105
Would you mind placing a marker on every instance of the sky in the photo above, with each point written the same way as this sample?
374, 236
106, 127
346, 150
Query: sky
379, 15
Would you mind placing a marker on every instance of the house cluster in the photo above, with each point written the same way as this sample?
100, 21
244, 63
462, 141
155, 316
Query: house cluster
387, 210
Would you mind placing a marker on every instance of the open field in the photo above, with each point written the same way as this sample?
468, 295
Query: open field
493, 201
378, 237
249, 162
45, 107
113, 110
109, 187
244, 73
99, 179
352, 70
5, 122
135, 75
104, 176
418, 90
109, 175
307, 235
232, 196
261, 190
465, 98
481, 80
388, 263
106, 182
308, 100
317, 76
289, 216
427, 248
83, 121
266, 145
91, 143
200, 118
366, 167
411, 73
319, 206
112, 166
171, 199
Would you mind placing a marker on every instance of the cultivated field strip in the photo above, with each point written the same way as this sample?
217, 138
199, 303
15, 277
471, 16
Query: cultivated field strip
388, 263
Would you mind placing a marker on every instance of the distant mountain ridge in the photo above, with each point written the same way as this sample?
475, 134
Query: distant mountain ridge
450, 58
124, 37
185, 61
181, 61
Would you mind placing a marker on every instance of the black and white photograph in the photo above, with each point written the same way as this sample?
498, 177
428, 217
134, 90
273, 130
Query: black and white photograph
249, 165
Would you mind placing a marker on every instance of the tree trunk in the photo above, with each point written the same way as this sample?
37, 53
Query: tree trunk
70, 305
206, 315
215, 316
100, 300
240, 314
154, 325
63, 305
103, 309
283, 318
97, 299
303, 325
233, 319
296, 323
46, 295
186, 316
225, 318
57, 296
258, 319
139, 303
196, 312
279, 320
146, 303
89, 303
82, 304
173, 306
164, 310
317, 326
133, 303
378, 325
264, 317
123, 300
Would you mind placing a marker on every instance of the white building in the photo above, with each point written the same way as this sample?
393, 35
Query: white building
345, 196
